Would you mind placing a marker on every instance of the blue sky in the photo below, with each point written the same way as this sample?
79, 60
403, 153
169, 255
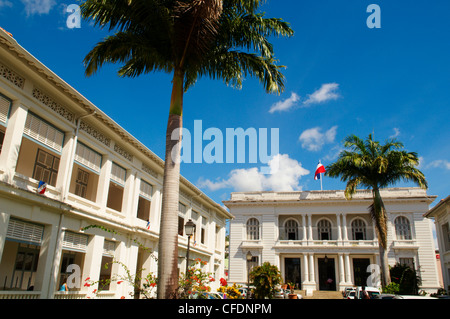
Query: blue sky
341, 78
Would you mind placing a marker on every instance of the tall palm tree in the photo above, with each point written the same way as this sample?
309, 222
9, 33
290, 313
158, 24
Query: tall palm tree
219, 39
375, 166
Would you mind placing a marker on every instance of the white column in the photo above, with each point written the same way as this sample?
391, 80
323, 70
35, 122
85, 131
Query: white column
348, 277
338, 218
130, 197
4, 221
93, 261
311, 268
305, 269
309, 228
13, 139
341, 269
103, 182
344, 228
304, 227
65, 164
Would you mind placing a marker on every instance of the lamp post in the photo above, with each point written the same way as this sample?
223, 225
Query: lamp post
249, 259
189, 229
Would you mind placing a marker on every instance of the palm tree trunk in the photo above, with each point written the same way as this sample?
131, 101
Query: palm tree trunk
168, 236
380, 217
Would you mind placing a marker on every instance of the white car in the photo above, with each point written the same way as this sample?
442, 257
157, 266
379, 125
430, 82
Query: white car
412, 297
372, 292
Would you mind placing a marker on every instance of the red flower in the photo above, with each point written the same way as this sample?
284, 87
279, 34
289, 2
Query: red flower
123, 297
87, 285
88, 278
119, 282
95, 290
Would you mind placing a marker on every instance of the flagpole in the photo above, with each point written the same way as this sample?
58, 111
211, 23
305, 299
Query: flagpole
321, 175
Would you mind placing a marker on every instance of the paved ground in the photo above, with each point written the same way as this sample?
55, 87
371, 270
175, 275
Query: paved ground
321, 294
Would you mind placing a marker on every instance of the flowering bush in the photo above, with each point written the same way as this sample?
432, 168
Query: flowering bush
195, 281
231, 292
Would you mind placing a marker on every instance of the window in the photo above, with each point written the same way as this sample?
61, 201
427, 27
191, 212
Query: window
2, 137
81, 183
181, 215
88, 157
203, 231
44, 132
116, 187
5, 105
402, 228
407, 261
253, 229
324, 229
46, 167
144, 204
291, 229
446, 236
358, 229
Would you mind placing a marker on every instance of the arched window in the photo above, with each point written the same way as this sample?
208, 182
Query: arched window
324, 229
358, 229
402, 228
253, 229
291, 229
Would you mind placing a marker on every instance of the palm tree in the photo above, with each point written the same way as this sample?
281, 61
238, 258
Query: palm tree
375, 166
219, 39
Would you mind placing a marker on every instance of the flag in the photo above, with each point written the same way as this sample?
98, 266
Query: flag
42, 187
148, 224
320, 169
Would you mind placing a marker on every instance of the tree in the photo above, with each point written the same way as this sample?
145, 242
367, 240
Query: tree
265, 278
190, 39
375, 166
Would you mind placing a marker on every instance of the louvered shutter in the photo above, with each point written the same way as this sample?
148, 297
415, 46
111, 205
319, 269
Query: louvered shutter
74, 241
23, 231
88, 157
109, 248
5, 105
44, 132
145, 190
118, 174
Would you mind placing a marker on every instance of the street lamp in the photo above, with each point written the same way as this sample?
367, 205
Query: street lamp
189, 229
249, 259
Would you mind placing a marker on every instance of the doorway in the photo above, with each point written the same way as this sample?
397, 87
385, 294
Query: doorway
327, 274
360, 273
292, 272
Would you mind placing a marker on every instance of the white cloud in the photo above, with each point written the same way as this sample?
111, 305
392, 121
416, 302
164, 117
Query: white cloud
439, 164
38, 6
396, 133
285, 104
313, 139
5, 3
325, 93
285, 176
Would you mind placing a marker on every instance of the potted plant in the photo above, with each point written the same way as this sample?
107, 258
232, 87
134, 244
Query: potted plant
292, 295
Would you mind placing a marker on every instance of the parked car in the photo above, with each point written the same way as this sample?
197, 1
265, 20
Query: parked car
346, 291
280, 293
385, 296
350, 294
372, 292
413, 297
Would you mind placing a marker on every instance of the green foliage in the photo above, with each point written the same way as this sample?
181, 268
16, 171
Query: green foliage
194, 282
407, 279
392, 288
265, 278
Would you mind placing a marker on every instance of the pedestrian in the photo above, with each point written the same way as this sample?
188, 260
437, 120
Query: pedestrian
64, 286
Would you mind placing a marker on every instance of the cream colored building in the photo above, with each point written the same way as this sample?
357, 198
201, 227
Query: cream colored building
97, 174
441, 215
321, 241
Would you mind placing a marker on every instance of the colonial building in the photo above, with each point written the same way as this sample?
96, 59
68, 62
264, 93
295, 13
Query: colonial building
321, 241
441, 215
95, 173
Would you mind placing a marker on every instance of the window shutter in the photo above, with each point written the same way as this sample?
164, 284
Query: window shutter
74, 241
109, 248
145, 190
44, 132
5, 104
88, 157
24, 231
118, 174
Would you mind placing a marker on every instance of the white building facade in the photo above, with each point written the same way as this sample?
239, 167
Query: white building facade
321, 241
97, 174
441, 215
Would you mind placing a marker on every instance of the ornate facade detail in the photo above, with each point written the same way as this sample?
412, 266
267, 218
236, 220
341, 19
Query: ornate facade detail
95, 134
150, 171
55, 106
12, 76
122, 152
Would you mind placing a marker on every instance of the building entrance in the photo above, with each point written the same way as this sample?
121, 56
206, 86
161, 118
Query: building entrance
327, 274
360, 271
292, 272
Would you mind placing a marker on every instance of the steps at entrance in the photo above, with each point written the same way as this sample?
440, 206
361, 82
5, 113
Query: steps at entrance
321, 294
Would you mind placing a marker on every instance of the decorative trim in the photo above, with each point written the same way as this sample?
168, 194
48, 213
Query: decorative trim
12, 76
122, 152
150, 171
55, 106
95, 134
